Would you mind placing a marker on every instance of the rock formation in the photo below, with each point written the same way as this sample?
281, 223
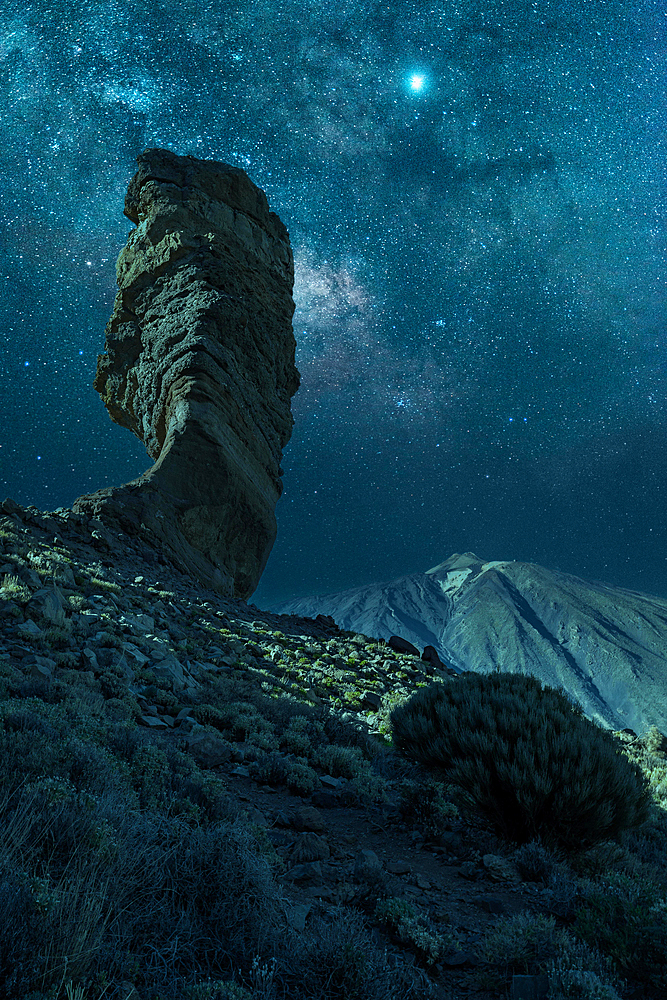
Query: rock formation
606, 647
199, 364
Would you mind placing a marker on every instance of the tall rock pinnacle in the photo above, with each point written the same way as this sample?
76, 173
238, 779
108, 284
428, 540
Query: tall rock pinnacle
199, 364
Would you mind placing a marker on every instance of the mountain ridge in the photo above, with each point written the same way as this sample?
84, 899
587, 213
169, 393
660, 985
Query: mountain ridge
603, 645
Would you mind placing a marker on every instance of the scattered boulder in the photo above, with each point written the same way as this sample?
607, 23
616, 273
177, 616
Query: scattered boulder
430, 656
400, 645
48, 603
326, 621
308, 818
367, 867
208, 750
309, 873
372, 700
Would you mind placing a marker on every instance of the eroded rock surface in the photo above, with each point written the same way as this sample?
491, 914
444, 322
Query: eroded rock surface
199, 364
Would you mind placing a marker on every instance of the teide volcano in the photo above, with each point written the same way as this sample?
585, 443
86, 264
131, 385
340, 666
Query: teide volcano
605, 646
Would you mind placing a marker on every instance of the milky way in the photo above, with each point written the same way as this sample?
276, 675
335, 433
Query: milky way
475, 195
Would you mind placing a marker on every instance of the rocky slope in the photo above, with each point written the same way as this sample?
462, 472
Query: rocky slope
606, 647
199, 364
222, 807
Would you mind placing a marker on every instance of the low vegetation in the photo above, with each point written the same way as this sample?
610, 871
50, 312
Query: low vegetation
525, 759
124, 861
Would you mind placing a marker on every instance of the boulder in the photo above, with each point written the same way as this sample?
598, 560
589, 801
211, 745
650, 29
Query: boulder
400, 645
199, 364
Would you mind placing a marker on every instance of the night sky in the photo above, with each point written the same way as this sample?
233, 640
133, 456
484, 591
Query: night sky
475, 194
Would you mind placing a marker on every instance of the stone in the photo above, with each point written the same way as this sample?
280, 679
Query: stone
133, 655
28, 576
208, 750
430, 655
327, 622
308, 818
455, 958
367, 866
10, 506
199, 364
170, 669
255, 816
309, 873
450, 840
42, 667
324, 800
330, 782
89, 659
398, 867
184, 716
153, 722
400, 645
499, 869
296, 916
62, 574
371, 699
469, 871
28, 627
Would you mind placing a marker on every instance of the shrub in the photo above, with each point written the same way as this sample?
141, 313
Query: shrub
534, 863
423, 803
524, 758
301, 779
415, 930
518, 945
528, 944
209, 715
655, 742
218, 991
113, 686
336, 958
340, 762
57, 637
237, 719
627, 921
14, 589
66, 659
296, 737
272, 769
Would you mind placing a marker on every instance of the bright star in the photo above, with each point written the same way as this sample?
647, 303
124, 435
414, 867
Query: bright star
416, 82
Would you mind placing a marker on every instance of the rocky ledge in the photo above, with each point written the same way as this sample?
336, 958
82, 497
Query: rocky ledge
199, 364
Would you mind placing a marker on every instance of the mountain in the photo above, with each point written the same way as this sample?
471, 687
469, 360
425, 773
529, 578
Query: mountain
605, 646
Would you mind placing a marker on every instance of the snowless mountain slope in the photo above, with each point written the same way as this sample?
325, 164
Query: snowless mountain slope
605, 646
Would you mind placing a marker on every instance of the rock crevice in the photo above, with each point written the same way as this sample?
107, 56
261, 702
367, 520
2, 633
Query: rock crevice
199, 364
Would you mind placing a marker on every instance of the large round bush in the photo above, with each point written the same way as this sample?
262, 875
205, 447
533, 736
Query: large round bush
523, 757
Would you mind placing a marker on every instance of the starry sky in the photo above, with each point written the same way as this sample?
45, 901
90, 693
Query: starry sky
475, 194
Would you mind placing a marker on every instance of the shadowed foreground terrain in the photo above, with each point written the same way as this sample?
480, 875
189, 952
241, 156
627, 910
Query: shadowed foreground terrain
199, 799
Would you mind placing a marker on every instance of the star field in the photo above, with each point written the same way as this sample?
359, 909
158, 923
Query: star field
475, 195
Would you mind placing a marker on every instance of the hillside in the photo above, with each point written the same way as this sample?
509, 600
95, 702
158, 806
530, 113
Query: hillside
198, 800
603, 645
